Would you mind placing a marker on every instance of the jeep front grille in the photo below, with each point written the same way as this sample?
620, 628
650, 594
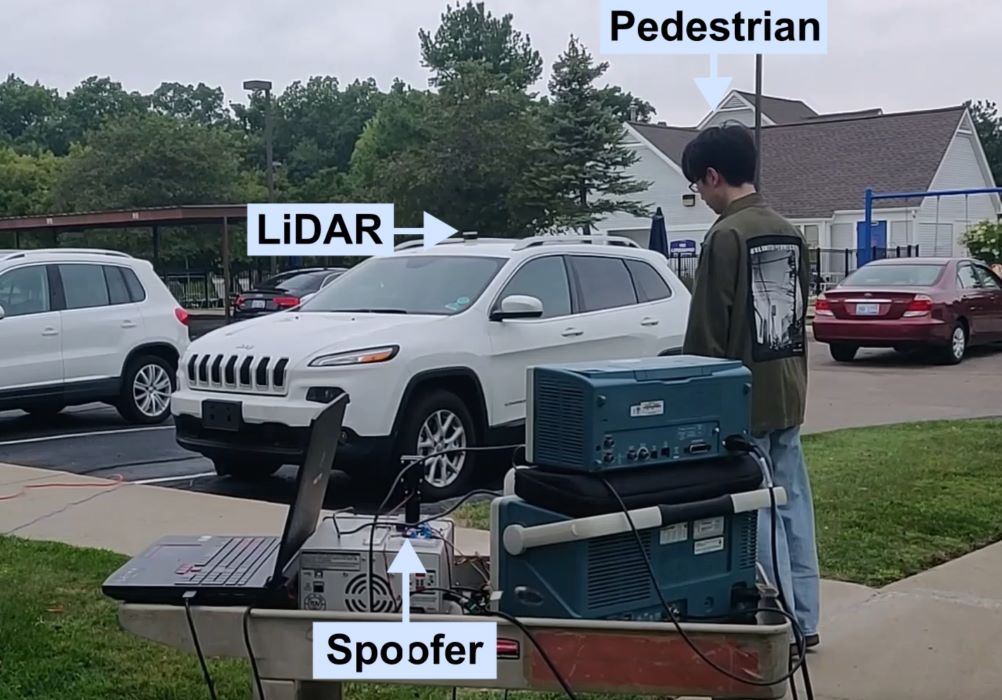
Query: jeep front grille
238, 373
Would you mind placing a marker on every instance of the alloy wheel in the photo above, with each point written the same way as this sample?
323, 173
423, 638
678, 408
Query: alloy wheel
442, 430
959, 342
151, 390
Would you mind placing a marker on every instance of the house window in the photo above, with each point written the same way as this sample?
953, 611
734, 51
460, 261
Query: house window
812, 232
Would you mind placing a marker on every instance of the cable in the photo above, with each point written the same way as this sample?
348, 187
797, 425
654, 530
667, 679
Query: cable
250, 655
671, 613
799, 638
198, 647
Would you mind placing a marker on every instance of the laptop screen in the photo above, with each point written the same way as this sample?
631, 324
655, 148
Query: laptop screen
311, 483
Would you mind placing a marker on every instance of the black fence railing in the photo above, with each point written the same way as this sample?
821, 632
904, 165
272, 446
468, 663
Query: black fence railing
829, 266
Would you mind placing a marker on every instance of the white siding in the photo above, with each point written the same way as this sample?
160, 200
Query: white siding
666, 190
843, 235
961, 169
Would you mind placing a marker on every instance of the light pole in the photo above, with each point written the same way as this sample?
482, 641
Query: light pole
758, 122
265, 86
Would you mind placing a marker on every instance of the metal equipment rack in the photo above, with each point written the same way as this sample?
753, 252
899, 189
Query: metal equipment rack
613, 657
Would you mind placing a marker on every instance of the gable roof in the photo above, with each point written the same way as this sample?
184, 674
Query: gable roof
815, 167
780, 110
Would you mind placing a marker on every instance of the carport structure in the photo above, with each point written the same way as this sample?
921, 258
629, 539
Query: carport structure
153, 217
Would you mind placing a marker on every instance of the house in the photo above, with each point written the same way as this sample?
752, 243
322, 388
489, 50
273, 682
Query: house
816, 169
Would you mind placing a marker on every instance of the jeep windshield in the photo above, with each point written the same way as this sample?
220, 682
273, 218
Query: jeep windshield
409, 284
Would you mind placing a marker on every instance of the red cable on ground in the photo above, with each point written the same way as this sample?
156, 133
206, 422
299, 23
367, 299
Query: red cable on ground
116, 480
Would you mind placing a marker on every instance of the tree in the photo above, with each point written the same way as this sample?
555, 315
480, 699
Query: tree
153, 160
26, 114
988, 124
583, 163
460, 154
198, 104
471, 34
26, 182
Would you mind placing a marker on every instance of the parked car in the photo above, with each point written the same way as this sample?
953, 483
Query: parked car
283, 291
81, 326
944, 304
432, 347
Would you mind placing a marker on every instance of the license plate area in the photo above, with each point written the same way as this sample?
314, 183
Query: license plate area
222, 415
867, 309
257, 303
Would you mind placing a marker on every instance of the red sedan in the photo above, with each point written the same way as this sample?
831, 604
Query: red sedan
946, 304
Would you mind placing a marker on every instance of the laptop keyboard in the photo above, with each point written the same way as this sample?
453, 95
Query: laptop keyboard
232, 565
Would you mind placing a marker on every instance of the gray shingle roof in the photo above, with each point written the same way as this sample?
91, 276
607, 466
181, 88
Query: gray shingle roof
780, 109
816, 167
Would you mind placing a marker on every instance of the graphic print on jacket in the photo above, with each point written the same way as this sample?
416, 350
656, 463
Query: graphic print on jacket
776, 302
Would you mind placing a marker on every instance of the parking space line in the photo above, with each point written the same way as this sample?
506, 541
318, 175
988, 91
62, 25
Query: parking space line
165, 479
26, 441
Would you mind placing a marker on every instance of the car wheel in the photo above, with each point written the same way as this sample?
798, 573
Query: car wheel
146, 389
244, 469
438, 421
843, 352
954, 353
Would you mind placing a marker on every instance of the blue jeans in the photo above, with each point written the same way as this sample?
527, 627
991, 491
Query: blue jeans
795, 544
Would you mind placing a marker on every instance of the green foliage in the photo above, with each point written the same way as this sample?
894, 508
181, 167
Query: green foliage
26, 182
150, 160
471, 34
989, 127
984, 241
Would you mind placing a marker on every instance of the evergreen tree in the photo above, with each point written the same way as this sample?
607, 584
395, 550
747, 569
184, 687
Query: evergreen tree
583, 163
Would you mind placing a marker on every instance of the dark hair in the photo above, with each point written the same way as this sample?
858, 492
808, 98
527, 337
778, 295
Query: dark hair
730, 150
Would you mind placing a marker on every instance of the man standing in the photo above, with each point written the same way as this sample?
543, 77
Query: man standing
749, 302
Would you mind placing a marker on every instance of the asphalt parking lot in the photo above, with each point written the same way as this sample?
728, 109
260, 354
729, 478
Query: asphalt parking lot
879, 388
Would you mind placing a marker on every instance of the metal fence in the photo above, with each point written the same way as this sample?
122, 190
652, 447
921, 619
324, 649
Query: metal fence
829, 266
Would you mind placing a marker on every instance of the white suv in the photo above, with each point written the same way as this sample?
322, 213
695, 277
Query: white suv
81, 326
432, 346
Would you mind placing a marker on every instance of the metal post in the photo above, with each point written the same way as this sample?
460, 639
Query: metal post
156, 247
268, 136
868, 214
226, 269
758, 122
17, 239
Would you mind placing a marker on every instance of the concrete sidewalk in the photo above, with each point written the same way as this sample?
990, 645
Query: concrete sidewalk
935, 636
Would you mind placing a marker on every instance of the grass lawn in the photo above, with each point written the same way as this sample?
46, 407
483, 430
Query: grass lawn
891, 502
894, 501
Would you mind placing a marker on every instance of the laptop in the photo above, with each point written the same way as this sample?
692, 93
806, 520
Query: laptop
237, 569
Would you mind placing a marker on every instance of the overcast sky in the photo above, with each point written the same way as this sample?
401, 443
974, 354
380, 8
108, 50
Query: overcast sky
876, 48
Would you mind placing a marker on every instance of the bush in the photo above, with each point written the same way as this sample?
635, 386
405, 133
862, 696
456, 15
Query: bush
984, 241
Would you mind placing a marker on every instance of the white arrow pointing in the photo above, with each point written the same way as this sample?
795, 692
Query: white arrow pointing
434, 231
406, 563
713, 88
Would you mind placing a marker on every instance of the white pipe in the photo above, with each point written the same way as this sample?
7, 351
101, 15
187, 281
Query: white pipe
518, 538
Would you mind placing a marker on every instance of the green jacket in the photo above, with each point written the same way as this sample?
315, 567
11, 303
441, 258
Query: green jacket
749, 303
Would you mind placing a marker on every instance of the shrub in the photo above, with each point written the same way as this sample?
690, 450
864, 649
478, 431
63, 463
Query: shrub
984, 241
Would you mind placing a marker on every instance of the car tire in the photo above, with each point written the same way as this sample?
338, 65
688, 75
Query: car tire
843, 352
244, 469
442, 419
147, 385
956, 350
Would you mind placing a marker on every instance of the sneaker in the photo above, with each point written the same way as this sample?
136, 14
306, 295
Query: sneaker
810, 641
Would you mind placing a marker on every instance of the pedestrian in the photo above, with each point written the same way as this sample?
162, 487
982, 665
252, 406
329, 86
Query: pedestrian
749, 303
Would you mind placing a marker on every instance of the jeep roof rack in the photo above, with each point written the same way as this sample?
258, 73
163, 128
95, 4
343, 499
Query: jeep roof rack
559, 239
11, 255
467, 237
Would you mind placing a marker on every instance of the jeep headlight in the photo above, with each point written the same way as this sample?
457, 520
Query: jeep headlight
356, 357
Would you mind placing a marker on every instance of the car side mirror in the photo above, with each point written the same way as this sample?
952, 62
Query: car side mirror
518, 306
2, 313
306, 297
